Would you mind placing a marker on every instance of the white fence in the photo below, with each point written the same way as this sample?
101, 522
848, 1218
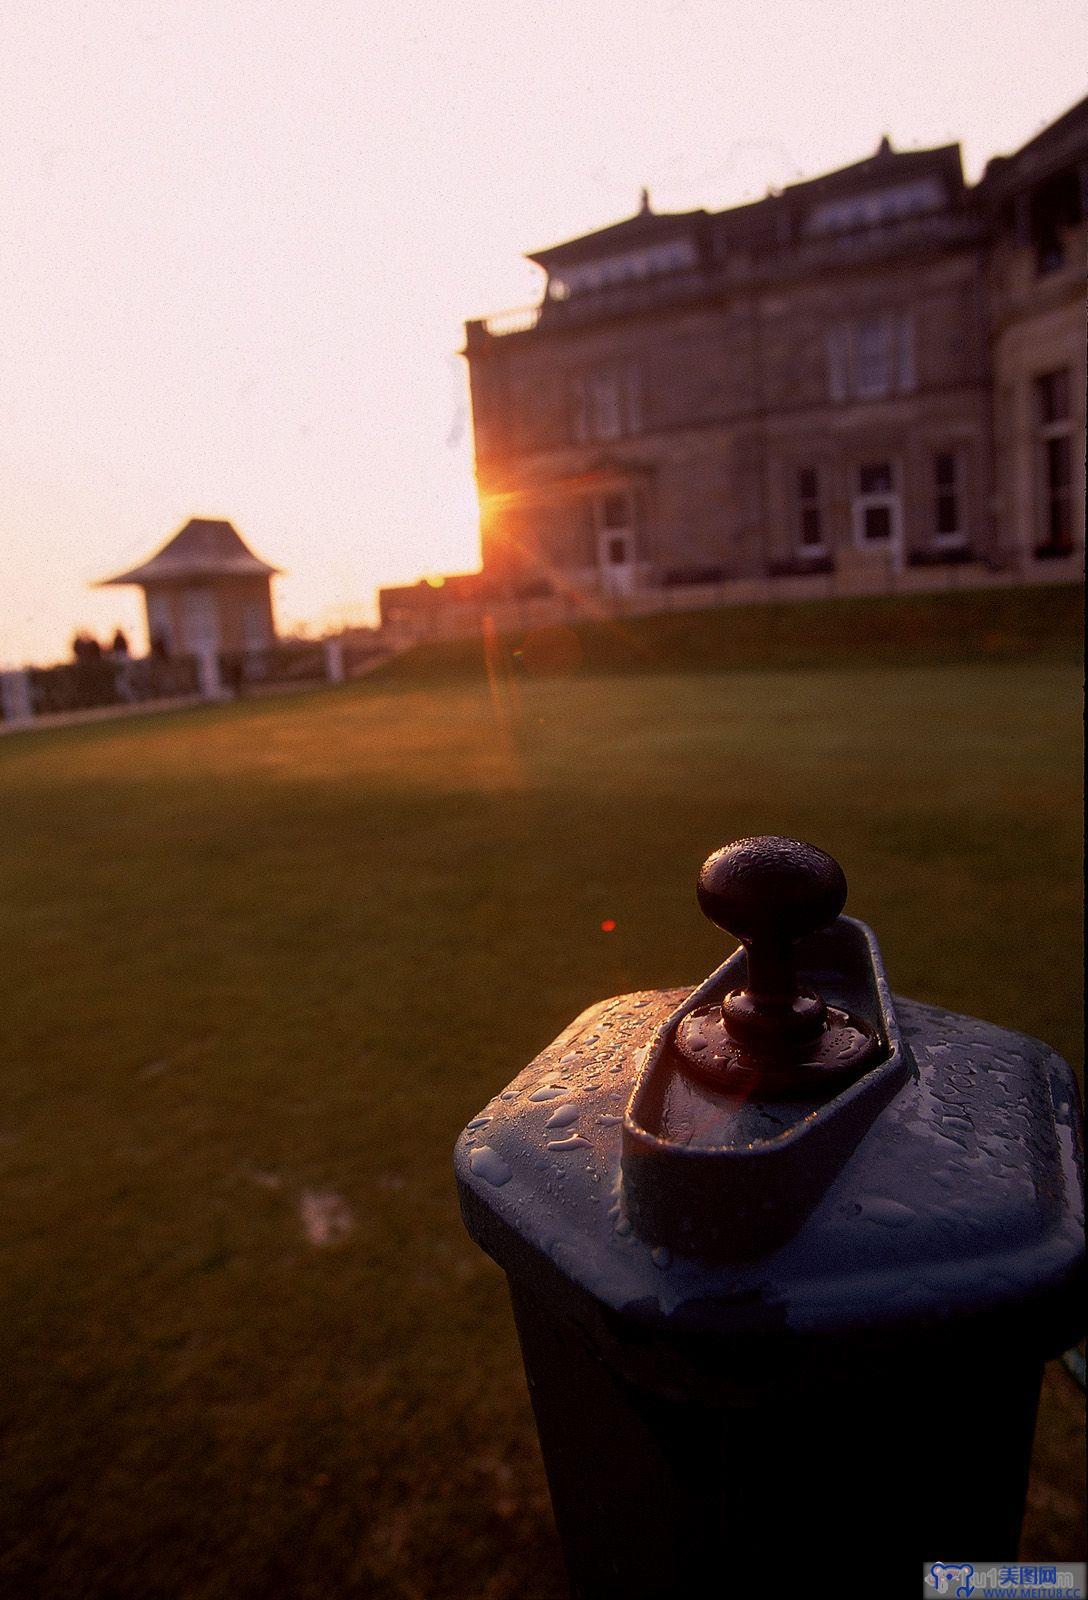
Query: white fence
111, 686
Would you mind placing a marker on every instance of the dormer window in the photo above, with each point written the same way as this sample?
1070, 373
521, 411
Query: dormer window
628, 266
876, 206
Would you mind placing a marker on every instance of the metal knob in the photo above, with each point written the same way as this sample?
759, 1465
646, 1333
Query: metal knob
770, 892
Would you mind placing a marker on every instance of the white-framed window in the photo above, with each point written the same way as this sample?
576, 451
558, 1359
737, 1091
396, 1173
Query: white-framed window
878, 523
614, 519
871, 357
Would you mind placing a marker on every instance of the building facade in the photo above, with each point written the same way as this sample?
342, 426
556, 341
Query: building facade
877, 369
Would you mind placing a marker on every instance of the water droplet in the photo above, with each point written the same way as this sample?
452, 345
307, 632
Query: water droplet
563, 1117
889, 1213
551, 1092
574, 1142
479, 1122
609, 1122
489, 1165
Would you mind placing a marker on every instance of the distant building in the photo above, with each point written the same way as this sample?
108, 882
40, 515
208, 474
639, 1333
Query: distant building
206, 591
875, 369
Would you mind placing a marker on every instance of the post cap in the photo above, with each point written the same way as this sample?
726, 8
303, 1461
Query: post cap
771, 887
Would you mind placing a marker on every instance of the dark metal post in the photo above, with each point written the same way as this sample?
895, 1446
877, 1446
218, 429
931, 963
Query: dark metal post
786, 1256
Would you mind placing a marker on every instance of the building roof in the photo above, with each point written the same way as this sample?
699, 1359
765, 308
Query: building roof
887, 165
201, 549
1059, 143
647, 226
643, 228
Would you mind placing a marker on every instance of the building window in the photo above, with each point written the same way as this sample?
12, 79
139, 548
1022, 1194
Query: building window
838, 362
946, 483
871, 357
876, 508
877, 207
876, 478
1055, 207
872, 349
616, 511
605, 405
633, 266
614, 517
1055, 464
809, 511
1052, 397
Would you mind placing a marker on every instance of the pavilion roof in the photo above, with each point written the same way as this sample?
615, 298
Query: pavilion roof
203, 548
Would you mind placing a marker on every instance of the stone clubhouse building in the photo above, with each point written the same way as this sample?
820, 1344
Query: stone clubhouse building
874, 371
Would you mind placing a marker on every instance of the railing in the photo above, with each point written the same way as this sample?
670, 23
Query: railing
521, 320
89, 685
613, 300
740, 266
294, 661
105, 686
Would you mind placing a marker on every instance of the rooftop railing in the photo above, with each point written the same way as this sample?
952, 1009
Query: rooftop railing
520, 320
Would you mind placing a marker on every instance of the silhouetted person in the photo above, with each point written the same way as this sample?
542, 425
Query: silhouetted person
119, 647
94, 680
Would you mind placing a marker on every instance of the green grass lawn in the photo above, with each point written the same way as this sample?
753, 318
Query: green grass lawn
291, 946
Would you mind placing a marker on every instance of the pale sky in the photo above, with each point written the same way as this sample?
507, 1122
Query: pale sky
240, 237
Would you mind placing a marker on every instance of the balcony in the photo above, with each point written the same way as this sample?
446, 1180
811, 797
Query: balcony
617, 300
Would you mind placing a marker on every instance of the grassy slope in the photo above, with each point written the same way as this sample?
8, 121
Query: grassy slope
294, 945
984, 625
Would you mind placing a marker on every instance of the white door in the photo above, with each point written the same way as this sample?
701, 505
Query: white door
254, 625
616, 544
878, 514
200, 620
160, 620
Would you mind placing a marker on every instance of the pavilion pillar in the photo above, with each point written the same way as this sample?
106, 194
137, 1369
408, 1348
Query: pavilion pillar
209, 676
334, 660
15, 701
